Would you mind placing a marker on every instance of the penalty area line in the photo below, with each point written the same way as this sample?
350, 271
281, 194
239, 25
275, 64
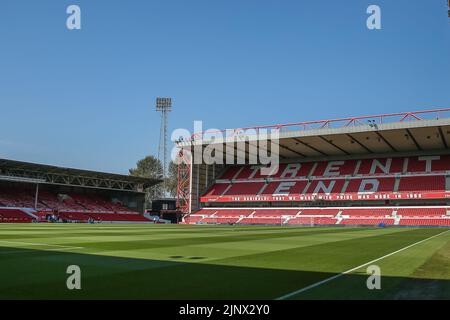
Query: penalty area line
314, 285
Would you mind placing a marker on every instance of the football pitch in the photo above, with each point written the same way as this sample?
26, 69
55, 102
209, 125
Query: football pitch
222, 262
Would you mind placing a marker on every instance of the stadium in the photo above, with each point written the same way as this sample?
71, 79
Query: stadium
325, 174
349, 194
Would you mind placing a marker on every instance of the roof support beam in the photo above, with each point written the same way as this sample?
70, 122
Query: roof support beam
334, 145
311, 147
413, 139
53, 177
291, 150
385, 141
269, 141
359, 143
236, 150
247, 143
441, 133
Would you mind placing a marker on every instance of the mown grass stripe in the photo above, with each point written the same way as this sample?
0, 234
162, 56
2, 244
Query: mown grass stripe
297, 292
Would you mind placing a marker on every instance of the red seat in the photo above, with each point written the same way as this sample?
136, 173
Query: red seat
420, 212
422, 183
312, 220
14, 216
425, 222
363, 221
369, 212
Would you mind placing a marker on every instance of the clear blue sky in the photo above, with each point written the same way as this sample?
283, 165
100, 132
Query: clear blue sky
86, 98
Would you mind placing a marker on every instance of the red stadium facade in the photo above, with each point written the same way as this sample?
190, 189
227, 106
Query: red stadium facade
386, 169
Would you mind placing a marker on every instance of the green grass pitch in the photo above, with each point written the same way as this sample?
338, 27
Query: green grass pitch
220, 262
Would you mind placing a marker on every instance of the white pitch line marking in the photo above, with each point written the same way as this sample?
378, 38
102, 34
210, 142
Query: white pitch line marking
286, 296
60, 247
64, 248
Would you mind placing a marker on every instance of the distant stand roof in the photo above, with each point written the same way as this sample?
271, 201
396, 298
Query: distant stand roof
12, 170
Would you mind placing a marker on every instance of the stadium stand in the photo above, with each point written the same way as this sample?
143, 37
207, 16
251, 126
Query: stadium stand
33, 192
325, 216
425, 222
68, 207
367, 212
13, 216
422, 212
289, 181
368, 221
313, 221
394, 171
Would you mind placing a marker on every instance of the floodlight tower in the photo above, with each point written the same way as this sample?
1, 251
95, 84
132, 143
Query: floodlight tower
163, 105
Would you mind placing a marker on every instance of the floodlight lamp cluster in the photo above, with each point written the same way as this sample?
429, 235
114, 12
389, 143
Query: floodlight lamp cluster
163, 104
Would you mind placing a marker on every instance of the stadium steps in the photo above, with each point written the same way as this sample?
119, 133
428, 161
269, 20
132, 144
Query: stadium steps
396, 217
240, 219
339, 217
262, 189
238, 173
150, 217
396, 184
307, 185
286, 220
226, 189
217, 177
30, 212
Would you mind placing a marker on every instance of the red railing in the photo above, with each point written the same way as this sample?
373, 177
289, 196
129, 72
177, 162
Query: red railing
339, 123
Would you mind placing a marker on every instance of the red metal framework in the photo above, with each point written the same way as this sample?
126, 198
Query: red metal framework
184, 181
340, 122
